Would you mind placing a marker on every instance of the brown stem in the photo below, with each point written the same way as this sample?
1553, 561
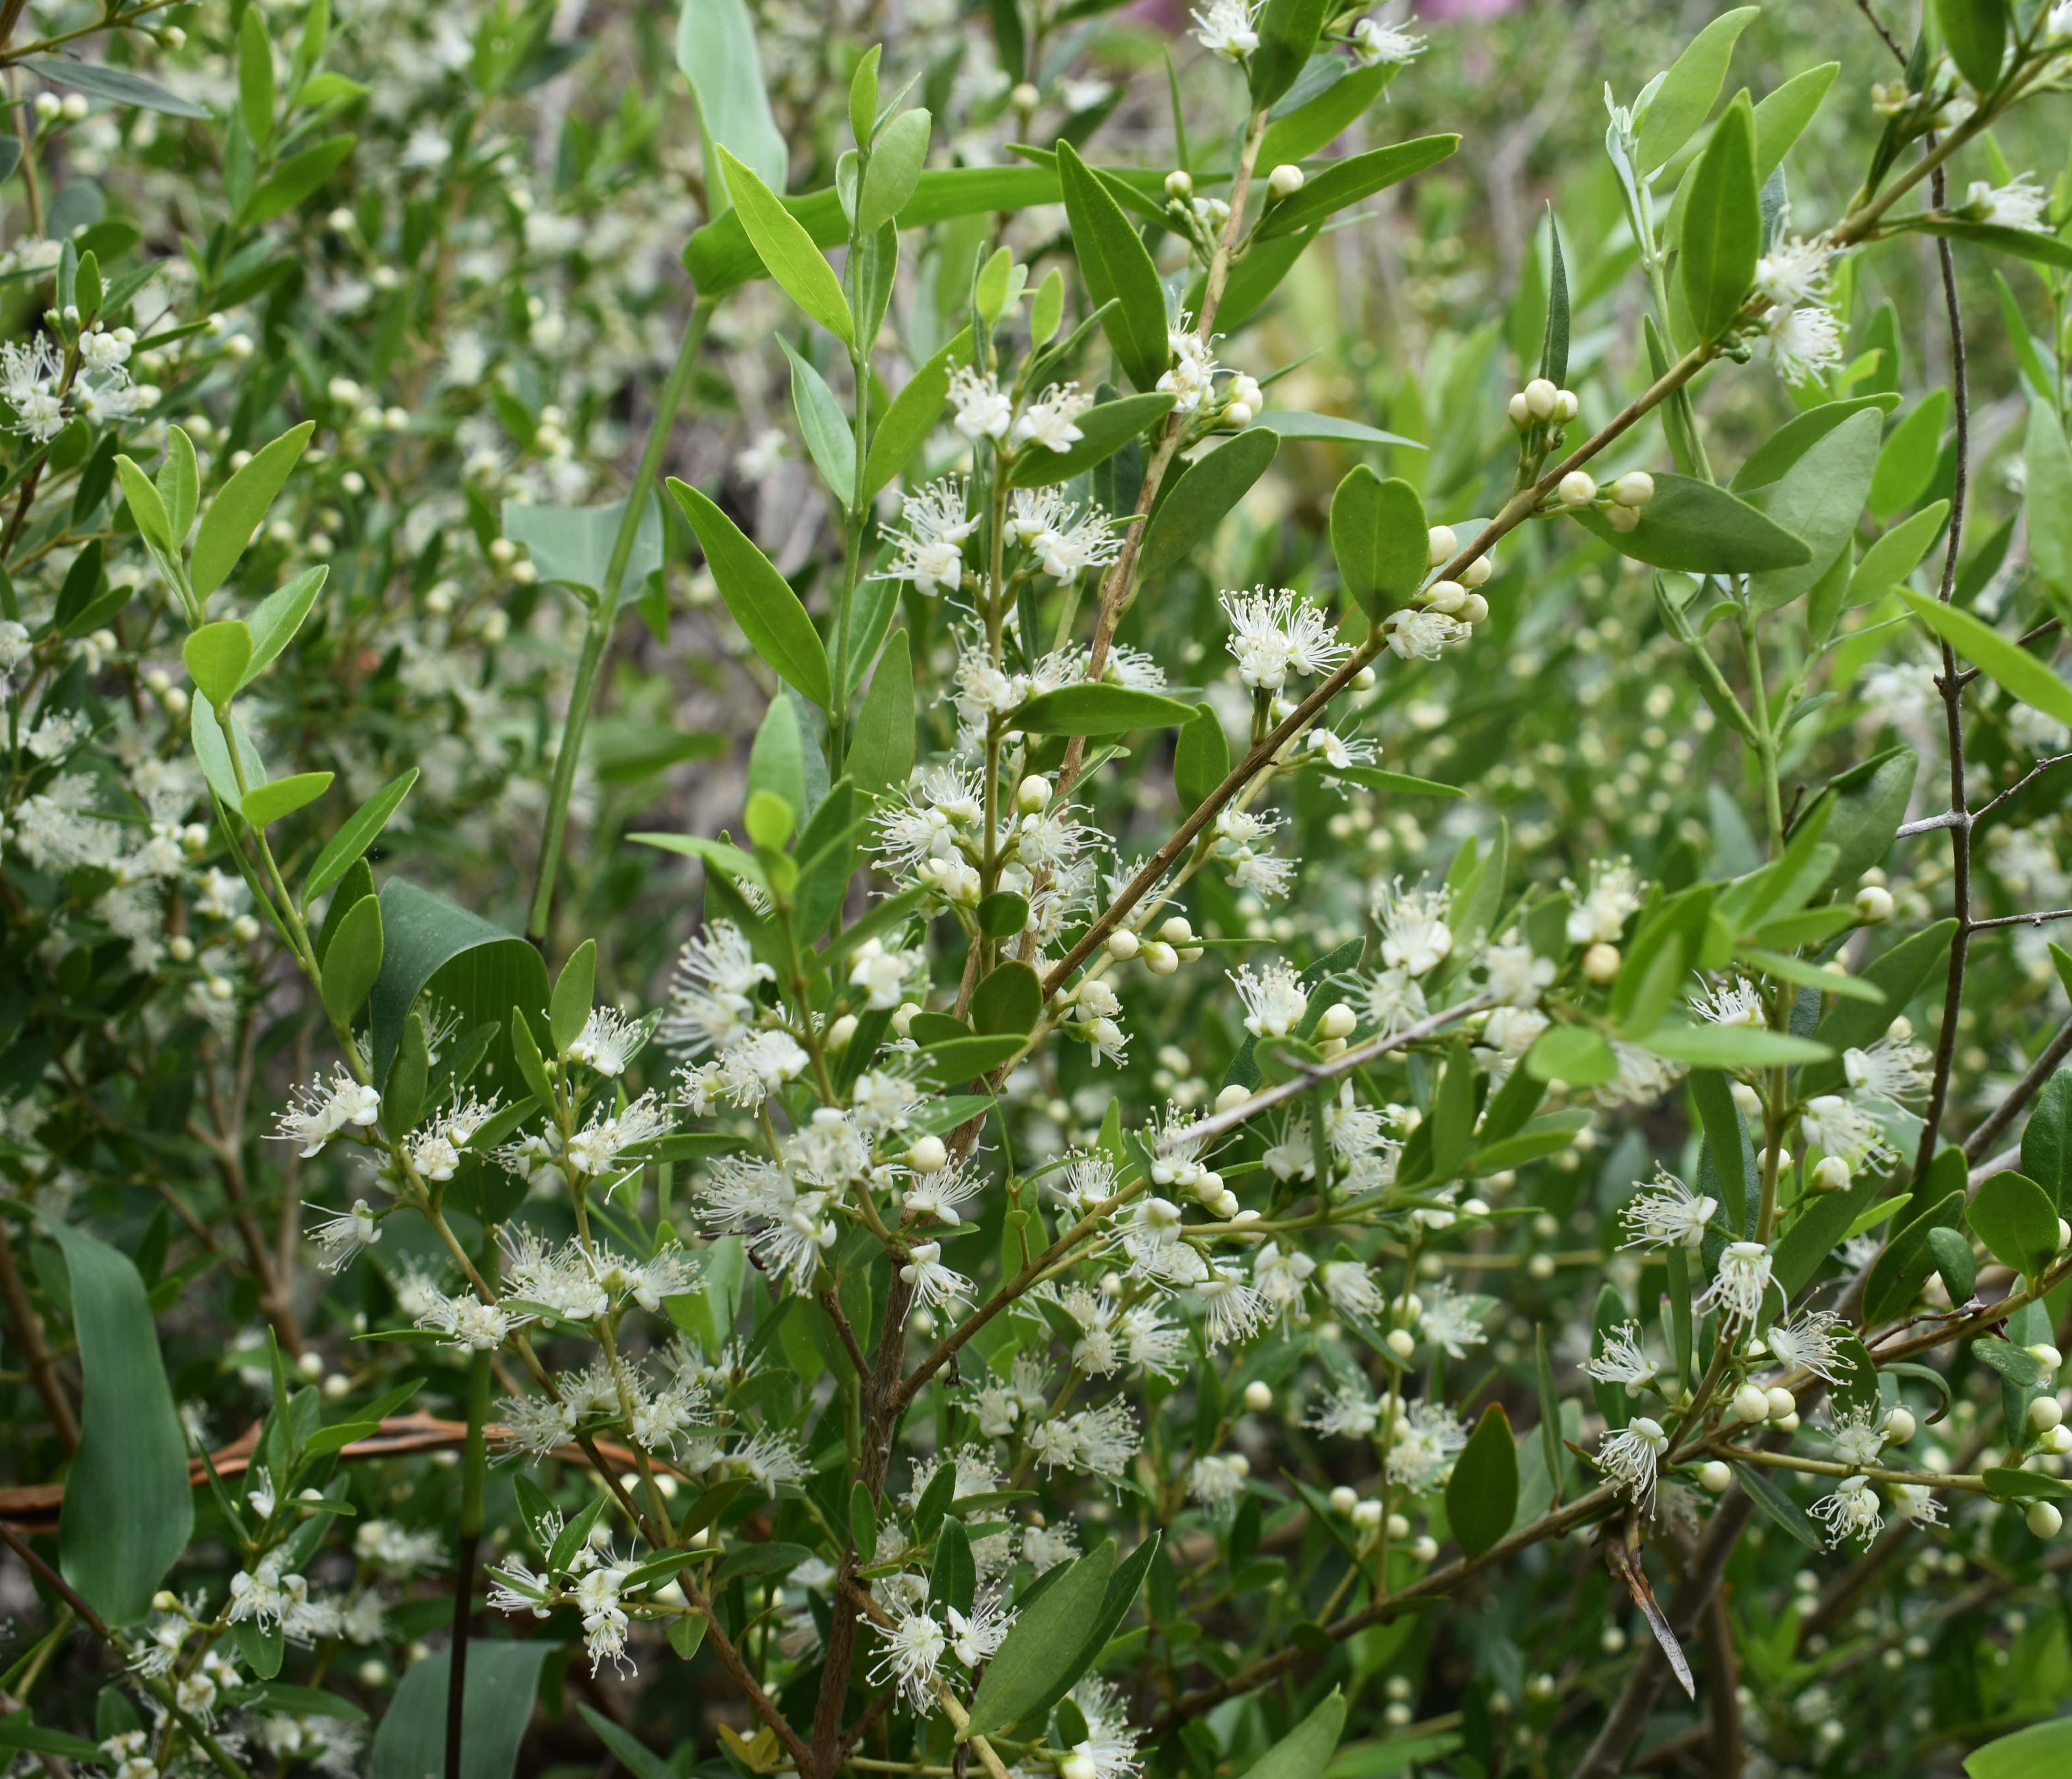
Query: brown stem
29, 1337
1720, 1671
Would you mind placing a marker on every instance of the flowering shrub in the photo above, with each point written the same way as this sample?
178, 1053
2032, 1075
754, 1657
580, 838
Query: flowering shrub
827, 949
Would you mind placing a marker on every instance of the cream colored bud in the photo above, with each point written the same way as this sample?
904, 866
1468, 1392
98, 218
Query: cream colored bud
1477, 571
1123, 944
1025, 97
1439, 545
1831, 1173
1751, 1403
2058, 1441
165, 1601
1521, 415
1032, 796
2044, 1520
1576, 489
1179, 185
1402, 1343
1160, 958
1259, 1397
1566, 406
1338, 1022
1621, 519
1781, 1402
1474, 609
1077, 1766
1786, 1424
1426, 1548
2064, 1235
1343, 1500
2048, 1356
1601, 962
1445, 596
1899, 1425
1176, 931
1713, 1477
311, 1365
903, 1018
929, 1155
1872, 904
1237, 414
840, 1033
1285, 180
1541, 398
1368, 1514
2043, 1414
1635, 489
1232, 1097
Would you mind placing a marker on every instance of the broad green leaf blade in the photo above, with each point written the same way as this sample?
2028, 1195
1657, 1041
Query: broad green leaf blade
2017, 1221
760, 598
1288, 31
1481, 1495
573, 544
1722, 222
1688, 90
1572, 1053
1380, 539
1196, 503
179, 482
907, 423
1033, 1666
477, 969
1820, 499
216, 656
788, 251
212, 748
1975, 32
277, 618
2009, 666
829, 438
1096, 709
892, 171
1348, 181
2043, 1751
409, 1743
1769, 461
154, 524
1304, 1751
716, 52
353, 960
569, 1006
1896, 555
1906, 462
1115, 265
1201, 758
265, 804
1782, 116
344, 848
240, 509
1694, 528
127, 1509
1733, 1047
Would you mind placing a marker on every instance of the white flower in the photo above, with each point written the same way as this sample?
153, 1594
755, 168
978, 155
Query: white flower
1100, 1441
713, 998
2021, 204
1893, 1069
1419, 632
1422, 1450
1628, 1458
1230, 1309
1275, 633
1377, 40
934, 1283
392, 1550
1044, 1547
983, 408
1793, 272
1804, 343
1737, 1289
1451, 1321
1348, 1413
930, 548
1666, 1213
1274, 1001
1835, 1127
1851, 1512
1859, 1437
882, 973
1515, 974
28, 375
596, 1148
1049, 422
913, 1649
1110, 1744
1217, 1480
975, 1637
1622, 1361
1913, 1501
1191, 379
1809, 1343
323, 1109
1225, 28
1614, 894
342, 1237
1281, 1279
1738, 1001
1395, 1002
608, 1041
1352, 1289
603, 1619
468, 1323
1416, 936
939, 1196
787, 1230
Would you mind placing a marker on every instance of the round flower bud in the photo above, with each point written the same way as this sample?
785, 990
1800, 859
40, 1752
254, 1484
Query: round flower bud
1368, 1513
903, 1016
1338, 1022
48, 106
1440, 543
1285, 180
1751, 1403
1032, 794
2049, 1356
1160, 958
1232, 1097
1177, 931
1236, 413
1576, 489
1343, 1500
1781, 1402
1246, 389
1635, 489
1540, 1265
1540, 397
74, 108
1899, 1425
374, 1674
1179, 184
1601, 962
1521, 416
311, 1365
2064, 1235
2044, 1519
1025, 97
1426, 1548
1364, 680
337, 1386
929, 1155
1259, 1397
1446, 596
1566, 406
1621, 519
1078, 1766
165, 1601
841, 1031
1873, 904
1402, 1343
1397, 1714
1831, 1173
2043, 1414
1713, 1477
1474, 609
1399, 1527
2058, 1440
1785, 1423
1123, 944
1477, 571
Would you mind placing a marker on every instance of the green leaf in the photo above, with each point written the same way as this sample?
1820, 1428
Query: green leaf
1906, 464
1201, 758
281, 1695
1379, 538
2043, 1751
1104, 429
777, 765
786, 250
179, 482
496, 1706
1288, 31
255, 77
1096, 708
1975, 32
1032, 1668
881, 753
212, 749
1116, 268
1900, 1271
344, 848
1348, 181
1572, 1053
1895, 556
240, 509
569, 1008
1722, 222
912, 417
760, 598
2017, 1221
1782, 116
2047, 497
353, 960
1001, 915
2046, 1140
1297, 135
772, 1558
1899, 974
1688, 91
298, 177
1009, 999
716, 53
2008, 665
1695, 527
627, 1748
2029, 244
1820, 499
117, 86
1196, 503
277, 618
1733, 1047
1293, 423
892, 171
268, 803
826, 429
1304, 1751
2019, 1366
127, 1509
470, 967
1397, 783
216, 656
1777, 1507
19, 1732
1951, 1250
146, 507
1769, 461
1481, 1495
956, 1059
573, 544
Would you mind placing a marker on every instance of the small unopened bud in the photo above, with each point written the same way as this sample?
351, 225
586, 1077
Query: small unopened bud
1477, 571
1343, 1500
840, 1033
2043, 1414
1540, 397
165, 1601
1025, 97
1160, 958
1521, 415
1566, 406
48, 106
1177, 931
1622, 519
1635, 489
1402, 1342
74, 108
1232, 1097
903, 1018
1781, 1402
1032, 794
311, 1365
1338, 1022
2058, 1441
1440, 544
1259, 1397
1713, 1477
1601, 962
1786, 1424
1123, 944
1445, 596
2064, 1235
1831, 1173
1077, 1766
1751, 1403
2046, 1355
1367, 1514
1426, 1548
1576, 489
1236, 413
2044, 1520
1285, 180
929, 1155
1872, 904
1899, 1425
1474, 609
1179, 184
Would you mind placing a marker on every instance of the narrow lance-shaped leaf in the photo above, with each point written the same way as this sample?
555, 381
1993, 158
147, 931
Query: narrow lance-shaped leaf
1722, 225
760, 598
786, 250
